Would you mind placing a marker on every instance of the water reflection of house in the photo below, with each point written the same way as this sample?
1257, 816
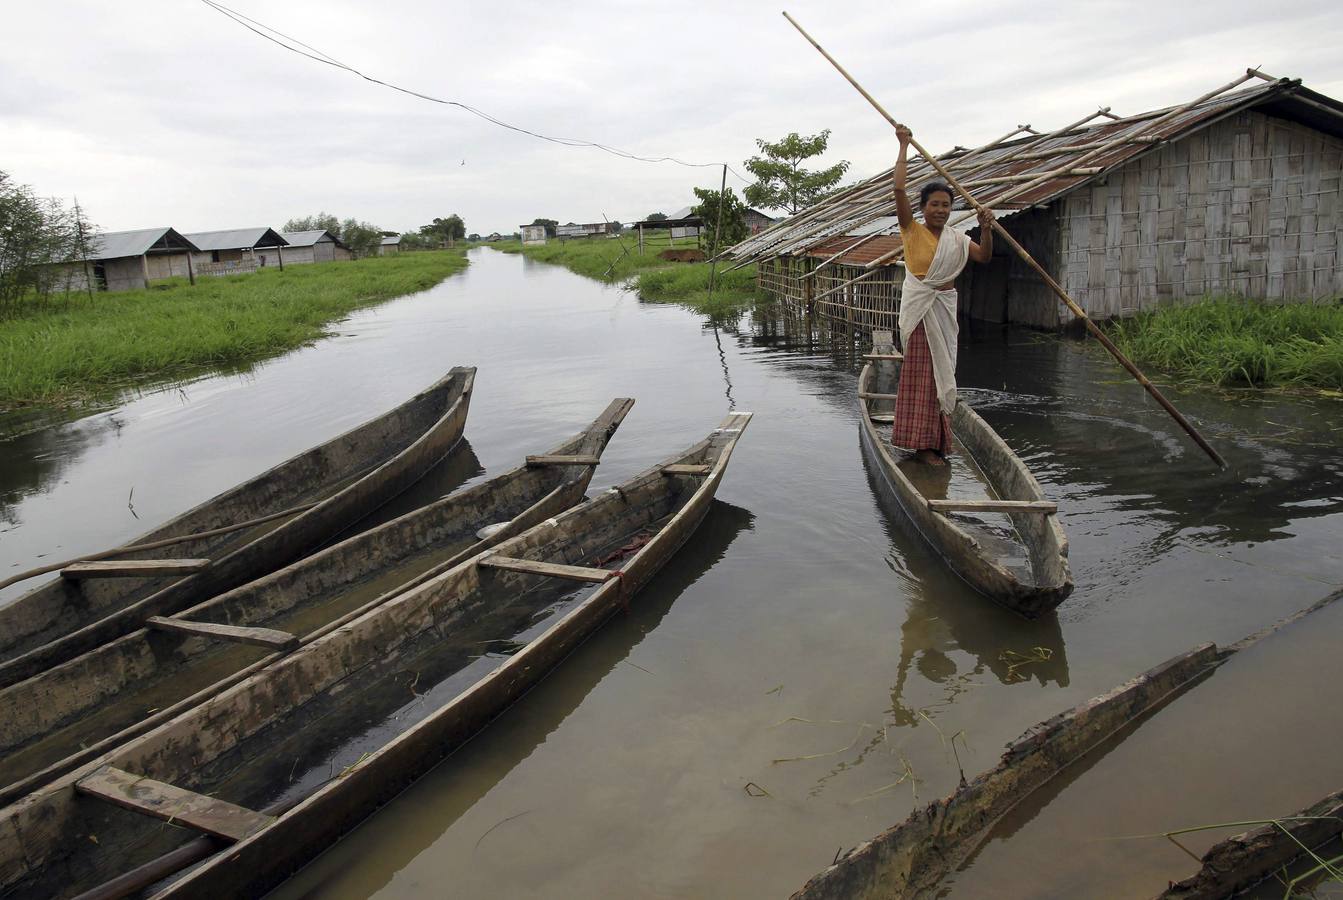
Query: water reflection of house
313, 247
1236, 192
236, 251
126, 260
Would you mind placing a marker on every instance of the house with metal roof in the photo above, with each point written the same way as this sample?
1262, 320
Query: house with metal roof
236, 251
126, 260
1234, 192
313, 247
391, 243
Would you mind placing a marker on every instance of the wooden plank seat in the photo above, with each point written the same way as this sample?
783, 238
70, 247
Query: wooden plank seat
553, 570
563, 460
867, 395
1043, 507
134, 568
686, 470
261, 637
173, 804
881, 356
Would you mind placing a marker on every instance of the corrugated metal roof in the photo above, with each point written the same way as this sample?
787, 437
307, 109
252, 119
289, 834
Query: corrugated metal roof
391, 241
996, 173
236, 239
115, 244
307, 238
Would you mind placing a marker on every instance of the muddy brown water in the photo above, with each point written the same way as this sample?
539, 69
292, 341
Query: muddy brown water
769, 695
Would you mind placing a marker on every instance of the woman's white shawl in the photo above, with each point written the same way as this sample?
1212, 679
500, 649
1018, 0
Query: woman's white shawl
921, 301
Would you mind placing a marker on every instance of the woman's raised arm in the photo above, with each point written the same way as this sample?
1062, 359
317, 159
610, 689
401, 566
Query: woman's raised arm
903, 211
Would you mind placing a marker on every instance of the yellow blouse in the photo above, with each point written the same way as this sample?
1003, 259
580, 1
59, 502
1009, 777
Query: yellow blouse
920, 246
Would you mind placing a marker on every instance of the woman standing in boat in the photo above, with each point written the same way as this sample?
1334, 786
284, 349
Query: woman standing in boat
934, 257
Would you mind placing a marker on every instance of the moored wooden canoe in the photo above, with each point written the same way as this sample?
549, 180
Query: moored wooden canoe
291, 739
350, 475
1023, 566
58, 719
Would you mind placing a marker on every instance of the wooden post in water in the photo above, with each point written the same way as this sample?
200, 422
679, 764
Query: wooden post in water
1053, 285
717, 230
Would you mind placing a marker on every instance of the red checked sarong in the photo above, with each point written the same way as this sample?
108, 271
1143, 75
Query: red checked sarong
919, 421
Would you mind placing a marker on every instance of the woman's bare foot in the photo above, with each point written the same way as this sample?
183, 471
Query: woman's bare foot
930, 457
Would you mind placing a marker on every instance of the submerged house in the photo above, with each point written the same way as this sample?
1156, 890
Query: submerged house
126, 260
1235, 192
313, 247
236, 251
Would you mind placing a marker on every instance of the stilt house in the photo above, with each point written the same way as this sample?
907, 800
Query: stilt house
1235, 192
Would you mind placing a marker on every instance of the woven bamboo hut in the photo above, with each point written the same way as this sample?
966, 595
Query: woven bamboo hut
1236, 192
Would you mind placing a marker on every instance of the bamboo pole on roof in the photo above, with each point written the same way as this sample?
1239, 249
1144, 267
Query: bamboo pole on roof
1123, 139
1105, 341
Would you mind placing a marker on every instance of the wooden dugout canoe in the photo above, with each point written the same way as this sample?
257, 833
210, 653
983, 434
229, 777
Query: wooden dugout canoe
1024, 566
351, 475
76, 711
295, 730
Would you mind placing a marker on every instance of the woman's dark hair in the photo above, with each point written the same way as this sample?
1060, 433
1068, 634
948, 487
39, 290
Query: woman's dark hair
931, 188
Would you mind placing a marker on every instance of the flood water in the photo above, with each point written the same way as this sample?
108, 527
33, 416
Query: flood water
804, 671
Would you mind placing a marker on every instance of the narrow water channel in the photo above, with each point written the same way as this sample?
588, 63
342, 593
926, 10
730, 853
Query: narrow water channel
804, 672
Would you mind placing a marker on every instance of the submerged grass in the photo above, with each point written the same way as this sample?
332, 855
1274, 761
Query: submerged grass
655, 280
1232, 342
81, 349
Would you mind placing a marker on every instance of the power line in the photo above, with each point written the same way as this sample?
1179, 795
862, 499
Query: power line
294, 45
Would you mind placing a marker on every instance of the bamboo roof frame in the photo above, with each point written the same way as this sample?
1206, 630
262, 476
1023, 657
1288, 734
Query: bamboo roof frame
1014, 174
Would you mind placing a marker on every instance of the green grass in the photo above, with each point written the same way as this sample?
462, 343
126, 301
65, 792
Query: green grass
75, 349
655, 280
1235, 343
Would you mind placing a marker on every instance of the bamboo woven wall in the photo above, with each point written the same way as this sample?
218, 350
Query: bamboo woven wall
1248, 206
874, 303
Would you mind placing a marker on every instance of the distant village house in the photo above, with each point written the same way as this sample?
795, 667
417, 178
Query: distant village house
533, 234
236, 251
391, 244
313, 247
592, 229
127, 260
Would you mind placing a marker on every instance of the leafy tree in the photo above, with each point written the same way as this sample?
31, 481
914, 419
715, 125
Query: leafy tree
442, 231
782, 183
323, 221
38, 237
734, 229
656, 217
361, 237
550, 225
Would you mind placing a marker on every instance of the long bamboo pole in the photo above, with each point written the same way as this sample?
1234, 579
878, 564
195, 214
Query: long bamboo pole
1068, 301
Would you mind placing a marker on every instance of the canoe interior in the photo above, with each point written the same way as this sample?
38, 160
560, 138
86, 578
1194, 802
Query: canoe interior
1017, 559
303, 721
351, 475
99, 695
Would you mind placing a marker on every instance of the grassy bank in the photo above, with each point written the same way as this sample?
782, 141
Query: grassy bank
80, 349
1238, 343
655, 280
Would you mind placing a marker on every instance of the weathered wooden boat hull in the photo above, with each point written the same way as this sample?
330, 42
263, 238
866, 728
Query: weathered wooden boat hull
1042, 535
240, 745
364, 467
67, 715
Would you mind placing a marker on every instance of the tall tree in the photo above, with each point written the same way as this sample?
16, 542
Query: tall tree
362, 238
444, 230
782, 183
656, 217
734, 229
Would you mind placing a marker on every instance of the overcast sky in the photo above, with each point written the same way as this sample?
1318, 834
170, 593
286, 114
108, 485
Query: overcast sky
164, 112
